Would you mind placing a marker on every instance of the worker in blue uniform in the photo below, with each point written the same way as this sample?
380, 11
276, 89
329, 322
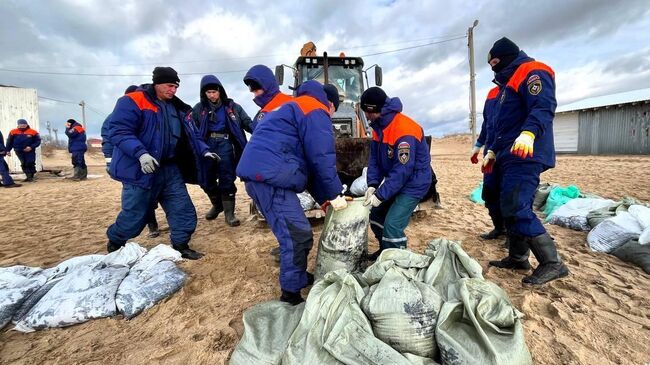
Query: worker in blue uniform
290, 151
24, 140
7, 180
77, 147
518, 151
490, 193
399, 169
156, 151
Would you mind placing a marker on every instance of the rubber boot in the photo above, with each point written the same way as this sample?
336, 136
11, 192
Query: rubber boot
494, 234
217, 207
550, 266
518, 252
228, 201
153, 229
13, 185
436, 201
76, 174
291, 297
29, 177
187, 252
112, 246
83, 173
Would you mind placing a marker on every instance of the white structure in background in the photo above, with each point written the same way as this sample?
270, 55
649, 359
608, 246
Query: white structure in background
17, 103
611, 124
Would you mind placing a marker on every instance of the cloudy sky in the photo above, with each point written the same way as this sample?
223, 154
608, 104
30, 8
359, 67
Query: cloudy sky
72, 50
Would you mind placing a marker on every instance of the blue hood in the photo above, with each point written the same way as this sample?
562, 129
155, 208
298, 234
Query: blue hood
504, 75
211, 79
263, 76
388, 111
314, 89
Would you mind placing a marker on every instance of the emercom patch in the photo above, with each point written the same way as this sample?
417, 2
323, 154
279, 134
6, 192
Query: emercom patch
404, 152
535, 87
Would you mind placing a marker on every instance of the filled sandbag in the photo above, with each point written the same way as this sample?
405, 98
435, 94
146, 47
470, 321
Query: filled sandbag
17, 283
360, 184
541, 194
307, 202
476, 195
574, 213
152, 279
635, 254
343, 242
613, 233
560, 196
402, 310
450, 263
479, 325
599, 215
642, 215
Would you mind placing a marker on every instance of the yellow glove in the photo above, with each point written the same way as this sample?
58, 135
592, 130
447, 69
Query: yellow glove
339, 203
523, 146
488, 162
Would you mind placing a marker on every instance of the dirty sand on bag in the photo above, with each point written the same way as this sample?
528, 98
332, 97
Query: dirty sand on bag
598, 315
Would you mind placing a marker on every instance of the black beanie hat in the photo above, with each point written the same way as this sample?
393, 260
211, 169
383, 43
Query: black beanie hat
373, 99
212, 86
505, 50
332, 95
130, 89
165, 75
71, 121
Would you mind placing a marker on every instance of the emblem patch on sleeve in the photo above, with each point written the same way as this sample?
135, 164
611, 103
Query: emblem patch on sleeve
390, 152
404, 152
535, 87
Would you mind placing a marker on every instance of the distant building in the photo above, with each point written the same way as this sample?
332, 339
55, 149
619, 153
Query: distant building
612, 124
95, 142
17, 103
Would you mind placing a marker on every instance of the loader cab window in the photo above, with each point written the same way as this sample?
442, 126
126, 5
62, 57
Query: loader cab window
347, 80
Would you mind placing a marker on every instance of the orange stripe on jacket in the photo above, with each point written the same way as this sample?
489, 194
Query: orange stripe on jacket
28, 131
522, 73
493, 93
400, 126
141, 101
79, 129
276, 102
308, 104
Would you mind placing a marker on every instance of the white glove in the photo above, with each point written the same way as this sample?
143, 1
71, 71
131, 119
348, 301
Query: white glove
374, 201
370, 192
339, 203
212, 155
148, 164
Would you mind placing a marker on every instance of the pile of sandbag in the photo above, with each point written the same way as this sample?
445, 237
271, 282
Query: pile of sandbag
126, 281
406, 308
574, 213
613, 232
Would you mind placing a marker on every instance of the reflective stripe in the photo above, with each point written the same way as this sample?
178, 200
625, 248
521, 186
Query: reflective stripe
377, 224
393, 239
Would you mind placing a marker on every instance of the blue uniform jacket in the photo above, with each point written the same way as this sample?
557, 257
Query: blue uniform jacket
76, 138
107, 146
3, 149
135, 129
18, 139
488, 111
237, 121
399, 155
294, 146
526, 102
272, 99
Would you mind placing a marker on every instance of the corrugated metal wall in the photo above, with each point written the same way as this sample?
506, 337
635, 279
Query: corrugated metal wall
17, 103
616, 130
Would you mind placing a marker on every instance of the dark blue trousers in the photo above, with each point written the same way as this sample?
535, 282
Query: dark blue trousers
4, 172
78, 159
283, 213
221, 175
169, 190
389, 220
27, 161
491, 196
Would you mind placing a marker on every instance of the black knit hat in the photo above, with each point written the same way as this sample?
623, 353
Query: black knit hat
373, 99
130, 89
505, 50
71, 121
332, 95
165, 75
212, 86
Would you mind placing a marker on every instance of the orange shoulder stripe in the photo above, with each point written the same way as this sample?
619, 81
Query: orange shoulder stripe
375, 137
308, 104
493, 93
401, 126
79, 129
31, 132
276, 102
141, 101
523, 71
14, 132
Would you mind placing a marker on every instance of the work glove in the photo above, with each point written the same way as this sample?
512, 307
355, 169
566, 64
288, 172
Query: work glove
369, 193
148, 164
212, 155
488, 162
373, 201
339, 203
475, 152
27, 149
523, 146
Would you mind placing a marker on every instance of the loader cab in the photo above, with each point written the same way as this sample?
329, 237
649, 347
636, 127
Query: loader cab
346, 73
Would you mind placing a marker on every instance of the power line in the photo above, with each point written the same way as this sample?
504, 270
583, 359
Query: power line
57, 100
412, 47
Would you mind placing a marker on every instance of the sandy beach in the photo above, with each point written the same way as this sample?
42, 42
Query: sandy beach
600, 314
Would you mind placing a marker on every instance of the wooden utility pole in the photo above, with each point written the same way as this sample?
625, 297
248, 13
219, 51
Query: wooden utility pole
472, 81
82, 104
